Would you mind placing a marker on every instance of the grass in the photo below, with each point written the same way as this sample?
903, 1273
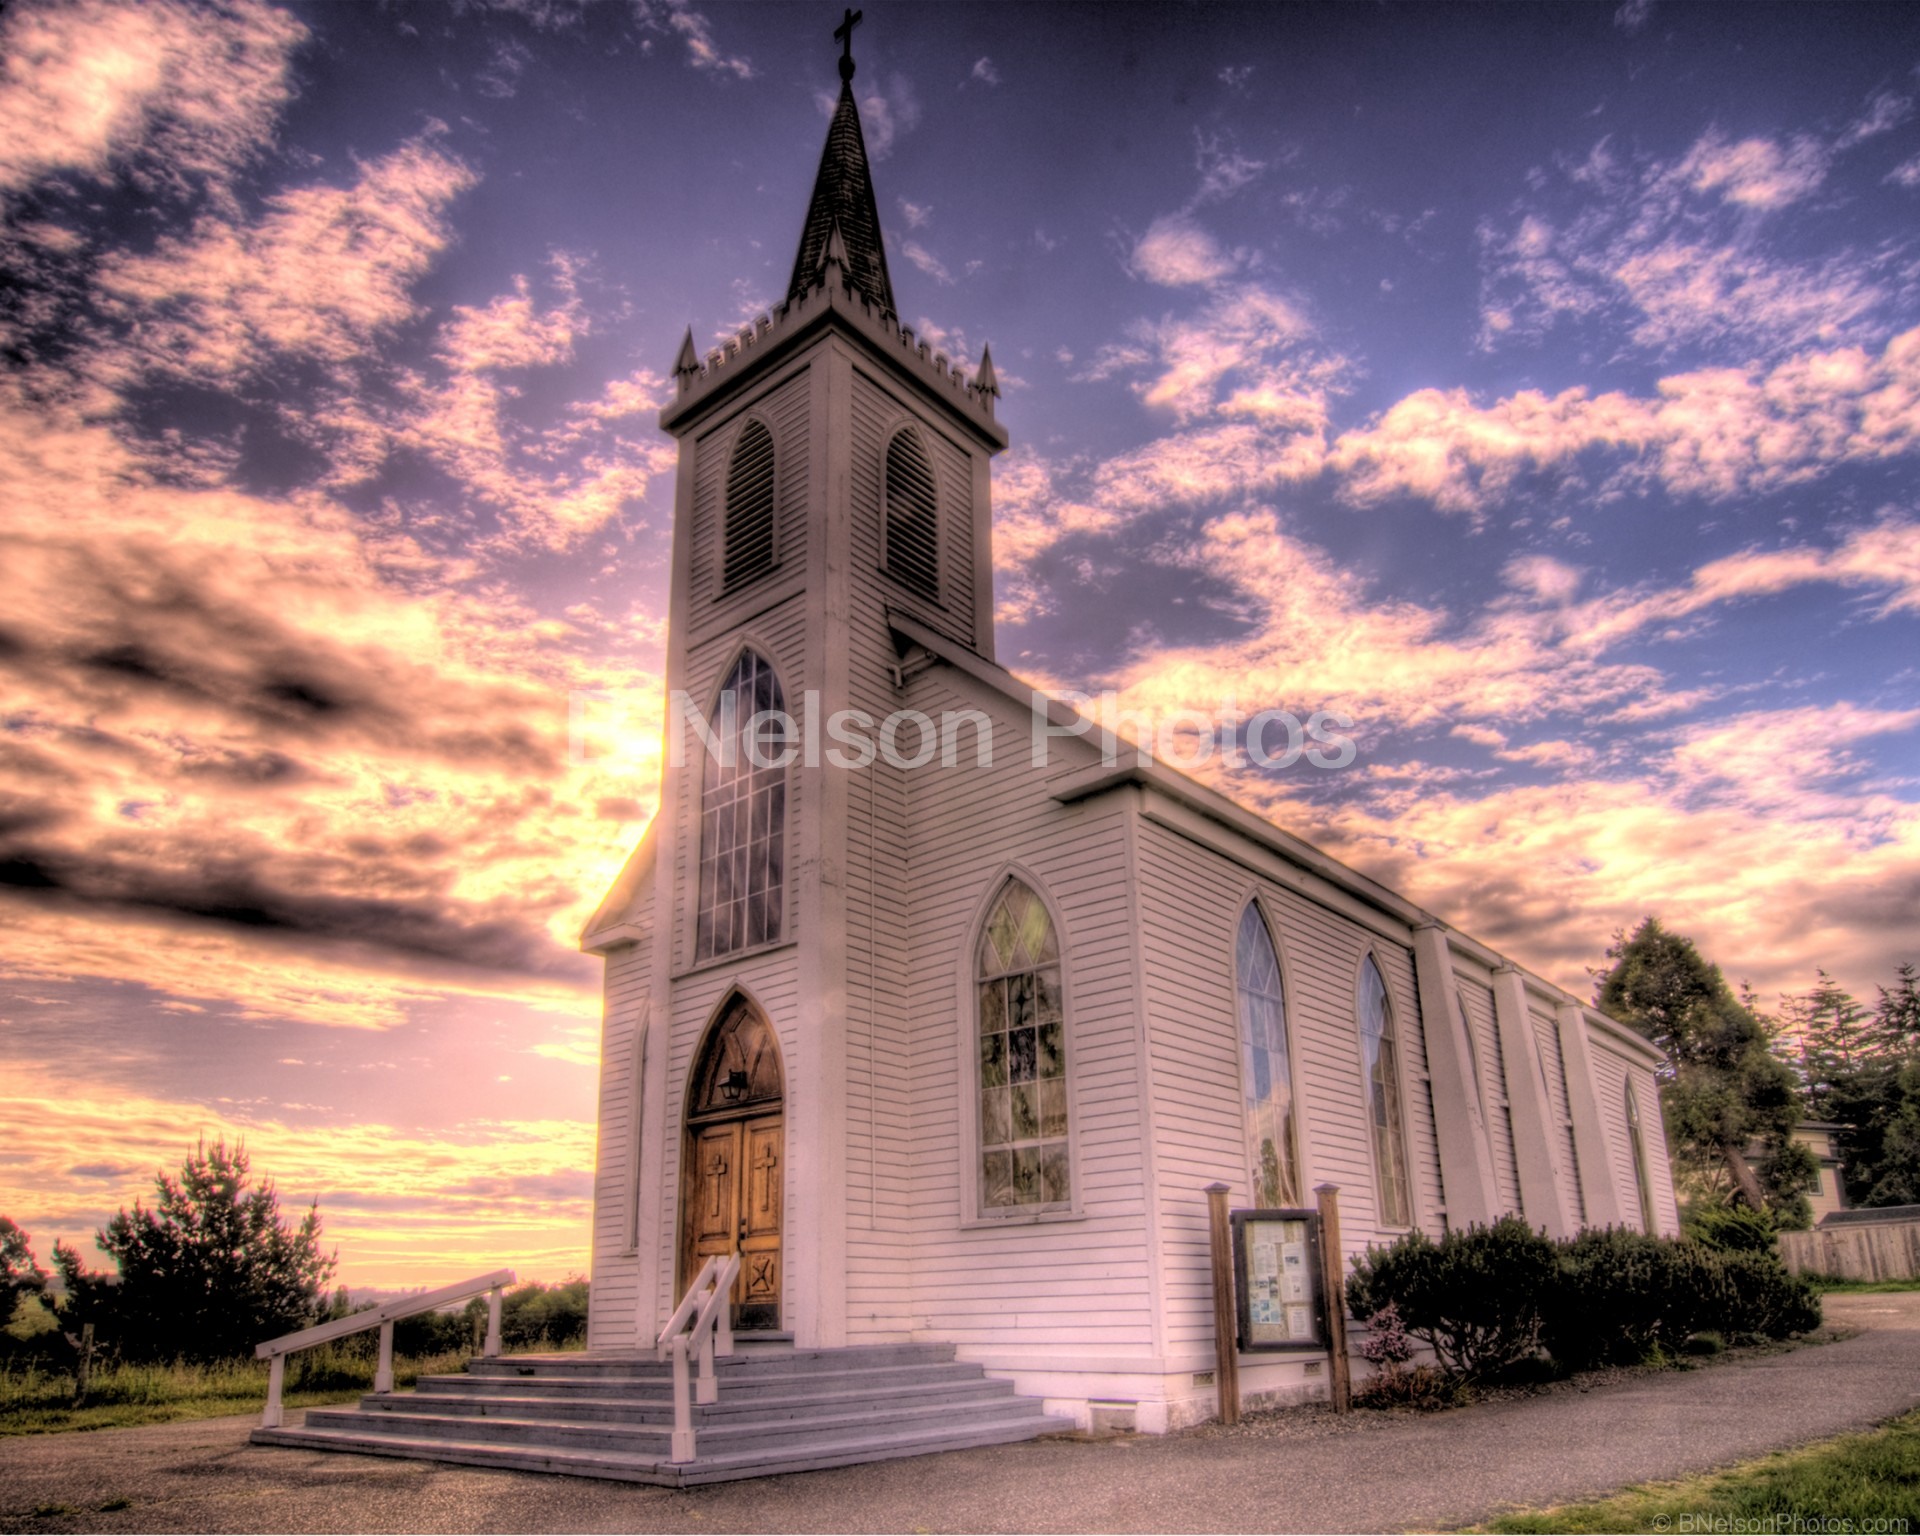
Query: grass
35, 1400
1858, 1478
1830, 1285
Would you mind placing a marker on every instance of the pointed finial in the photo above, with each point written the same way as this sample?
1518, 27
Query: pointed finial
985, 379
689, 360
843, 34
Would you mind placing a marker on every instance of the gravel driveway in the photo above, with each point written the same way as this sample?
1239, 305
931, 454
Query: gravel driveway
1367, 1473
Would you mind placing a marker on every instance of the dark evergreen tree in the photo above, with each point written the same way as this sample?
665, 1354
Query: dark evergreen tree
1724, 1091
1862, 1072
1895, 1031
206, 1274
1830, 1037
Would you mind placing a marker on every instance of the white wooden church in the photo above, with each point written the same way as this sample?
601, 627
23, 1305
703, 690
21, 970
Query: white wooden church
948, 1053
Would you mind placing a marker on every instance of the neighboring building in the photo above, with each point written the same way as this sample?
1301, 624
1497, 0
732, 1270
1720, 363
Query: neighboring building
950, 1052
1826, 1191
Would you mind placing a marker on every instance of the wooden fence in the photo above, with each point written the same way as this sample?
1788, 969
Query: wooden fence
1876, 1250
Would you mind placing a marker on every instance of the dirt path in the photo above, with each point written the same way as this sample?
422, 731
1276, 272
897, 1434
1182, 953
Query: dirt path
1370, 1473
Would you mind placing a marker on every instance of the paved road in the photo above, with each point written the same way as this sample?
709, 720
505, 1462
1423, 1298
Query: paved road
1370, 1473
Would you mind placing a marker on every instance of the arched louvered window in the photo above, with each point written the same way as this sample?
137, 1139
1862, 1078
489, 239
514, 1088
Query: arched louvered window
1380, 1061
1023, 1057
743, 814
1265, 1071
1636, 1138
913, 540
749, 530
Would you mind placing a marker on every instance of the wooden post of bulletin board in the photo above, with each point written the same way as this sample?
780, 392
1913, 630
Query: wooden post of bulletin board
1334, 1284
1226, 1327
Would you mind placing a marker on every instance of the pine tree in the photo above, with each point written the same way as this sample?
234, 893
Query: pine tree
1831, 1039
206, 1274
1895, 1031
1724, 1090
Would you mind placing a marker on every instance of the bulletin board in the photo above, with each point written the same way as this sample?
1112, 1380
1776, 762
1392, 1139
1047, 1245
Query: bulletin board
1278, 1293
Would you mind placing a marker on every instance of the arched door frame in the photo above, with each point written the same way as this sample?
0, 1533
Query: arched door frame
733, 1161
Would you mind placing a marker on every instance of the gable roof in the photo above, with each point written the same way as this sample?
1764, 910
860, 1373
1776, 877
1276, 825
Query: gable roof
1122, 763
609, 927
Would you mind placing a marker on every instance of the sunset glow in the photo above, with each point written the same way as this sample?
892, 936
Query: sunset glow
1536, 387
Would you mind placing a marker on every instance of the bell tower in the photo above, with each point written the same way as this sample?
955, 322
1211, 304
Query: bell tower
832, 483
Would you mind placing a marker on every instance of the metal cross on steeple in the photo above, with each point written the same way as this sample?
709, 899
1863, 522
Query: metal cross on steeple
843, 34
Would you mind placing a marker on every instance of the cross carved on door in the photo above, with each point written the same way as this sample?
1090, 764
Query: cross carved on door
716, 1171
765, 1164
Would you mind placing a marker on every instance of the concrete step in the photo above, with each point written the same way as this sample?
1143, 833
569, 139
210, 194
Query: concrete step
796, 1456
651, 1388
657, 1407
641, 1365
654, 1441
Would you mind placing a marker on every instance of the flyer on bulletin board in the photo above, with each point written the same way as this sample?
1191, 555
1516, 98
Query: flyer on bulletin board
1277, 1267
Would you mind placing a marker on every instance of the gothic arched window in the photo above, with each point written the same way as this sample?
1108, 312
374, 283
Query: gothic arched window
1379, 1055
1636, 1138
743, 814
913, 520
749, 526
1023, 1057
1265, 1072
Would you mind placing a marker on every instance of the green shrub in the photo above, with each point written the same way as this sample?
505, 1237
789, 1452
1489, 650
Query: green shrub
1483, 1300
1731, 1229
1619, 1297
1475, 1297
1623, 1296
1766, 1301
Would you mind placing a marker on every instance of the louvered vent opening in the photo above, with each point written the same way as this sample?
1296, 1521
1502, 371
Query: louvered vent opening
913, 545
750, 506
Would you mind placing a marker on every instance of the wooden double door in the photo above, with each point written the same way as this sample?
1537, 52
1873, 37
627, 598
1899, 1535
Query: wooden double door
735, 1182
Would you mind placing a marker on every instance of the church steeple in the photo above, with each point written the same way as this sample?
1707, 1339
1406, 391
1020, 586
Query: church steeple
843, 223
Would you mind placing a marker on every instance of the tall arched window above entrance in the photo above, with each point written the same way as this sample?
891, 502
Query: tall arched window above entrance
749, 526
1636, 1138
743, 815
913, 519
1266, 1073
1380, 1061
1023, 1057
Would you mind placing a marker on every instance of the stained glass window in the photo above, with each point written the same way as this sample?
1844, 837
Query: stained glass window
1380, 1061
1265, 1071
1022, 1053
743, 816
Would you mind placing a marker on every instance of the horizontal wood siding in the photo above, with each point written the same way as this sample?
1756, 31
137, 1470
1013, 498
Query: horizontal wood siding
1546, 1034
626, 988
1612, 1070
1071, 1285
1190, 905
1506, 1171
1610, 1095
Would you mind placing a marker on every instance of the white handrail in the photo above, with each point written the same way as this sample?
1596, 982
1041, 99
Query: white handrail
695, 1294
703, 1321
382, 1317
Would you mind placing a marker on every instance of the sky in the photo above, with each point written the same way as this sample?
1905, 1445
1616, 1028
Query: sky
1537, 386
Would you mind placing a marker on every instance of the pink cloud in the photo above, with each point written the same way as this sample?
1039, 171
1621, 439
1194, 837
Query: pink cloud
324, 272
165, 90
